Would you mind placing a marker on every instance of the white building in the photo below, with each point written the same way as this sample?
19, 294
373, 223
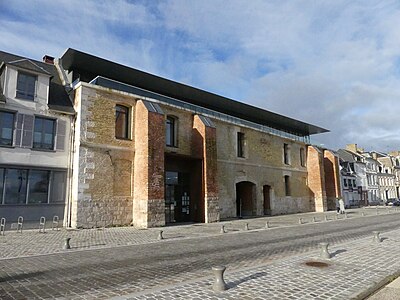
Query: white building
35, 121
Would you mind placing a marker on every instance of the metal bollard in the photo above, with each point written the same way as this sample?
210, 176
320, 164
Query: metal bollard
377, 238
267, 224
388, 211
246, 226
345, 215
363, 214
66, 243
324, 251
20, 224
326, 218
300, 221
2, 226
160, 235
377, 212
55, 223
314, 219
42, 225
219, 284
222, 228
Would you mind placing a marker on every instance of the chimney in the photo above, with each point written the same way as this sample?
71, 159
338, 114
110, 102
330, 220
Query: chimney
352, 147
48, 59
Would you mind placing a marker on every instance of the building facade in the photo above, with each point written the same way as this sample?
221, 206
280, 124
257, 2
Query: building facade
35, 119
150, 152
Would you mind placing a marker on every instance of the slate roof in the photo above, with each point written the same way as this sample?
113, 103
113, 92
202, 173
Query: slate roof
58, 97
86, 67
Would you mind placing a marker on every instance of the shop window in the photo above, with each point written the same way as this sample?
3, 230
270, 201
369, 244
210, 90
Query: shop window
38, 186
57, 191
121, 122
44, 133
171, 130
240, 144
287, 185
26, 86
6, 128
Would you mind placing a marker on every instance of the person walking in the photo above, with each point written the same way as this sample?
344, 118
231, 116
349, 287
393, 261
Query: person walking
341, 206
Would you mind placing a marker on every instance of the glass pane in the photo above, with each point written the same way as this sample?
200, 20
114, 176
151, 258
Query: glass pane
6, 128
26, 86
48, 126
15, 186
38, 186
121, 122
171, 177
58, 184
1, 184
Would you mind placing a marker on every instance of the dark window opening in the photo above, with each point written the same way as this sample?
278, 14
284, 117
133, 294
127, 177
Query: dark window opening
171, 132
121, 122
44, 133
286, 154
240, 144
302, 157
6, 128
26, 86
287, 186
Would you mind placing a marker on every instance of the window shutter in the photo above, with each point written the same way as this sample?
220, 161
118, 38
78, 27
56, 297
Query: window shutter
60, 138
18, 130
27, 132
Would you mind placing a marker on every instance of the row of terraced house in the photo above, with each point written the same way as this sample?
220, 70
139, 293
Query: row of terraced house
102, 144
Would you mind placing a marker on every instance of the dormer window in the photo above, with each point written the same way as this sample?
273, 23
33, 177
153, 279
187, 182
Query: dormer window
26, 86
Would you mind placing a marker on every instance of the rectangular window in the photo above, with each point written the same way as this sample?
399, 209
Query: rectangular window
121, 122
15, 186
287, 186
354, 182
6, 128
345, 182
26, 85
58, 184
38, 186
44, 133
170, 132
240, 144
302, 157
2, 171
286, 154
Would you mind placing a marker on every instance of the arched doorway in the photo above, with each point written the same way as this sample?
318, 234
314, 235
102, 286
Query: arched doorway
245, 198
267, 199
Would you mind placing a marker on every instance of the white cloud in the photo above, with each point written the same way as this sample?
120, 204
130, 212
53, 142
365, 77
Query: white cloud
331, 63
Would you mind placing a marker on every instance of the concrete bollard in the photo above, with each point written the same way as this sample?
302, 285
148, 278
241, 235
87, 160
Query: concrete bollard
20, 223
324, 251
314, 219
2, 226
377, 212
326, 218
219, 284
66, 243
363, 214
267, 224
345, 215
246, 226
42, 225
300, 221
222, 228
388, 211
160, 235
377, 238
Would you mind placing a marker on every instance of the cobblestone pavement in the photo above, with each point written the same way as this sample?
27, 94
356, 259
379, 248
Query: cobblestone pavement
257, 260
31, 242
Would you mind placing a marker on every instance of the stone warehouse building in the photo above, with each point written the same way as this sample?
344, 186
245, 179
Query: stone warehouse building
149, 152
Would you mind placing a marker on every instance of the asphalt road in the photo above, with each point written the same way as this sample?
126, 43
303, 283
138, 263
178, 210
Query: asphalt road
110, 272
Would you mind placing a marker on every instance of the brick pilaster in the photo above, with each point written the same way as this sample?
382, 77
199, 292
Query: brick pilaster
316, 178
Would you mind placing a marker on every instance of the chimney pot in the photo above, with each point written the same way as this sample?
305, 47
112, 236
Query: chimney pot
48, 59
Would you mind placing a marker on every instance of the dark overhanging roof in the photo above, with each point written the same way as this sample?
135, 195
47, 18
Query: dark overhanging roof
87, 67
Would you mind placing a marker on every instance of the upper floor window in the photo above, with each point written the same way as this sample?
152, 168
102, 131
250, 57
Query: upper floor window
287, 185
6, 128
171, 126
240, 144
354, 183
302, 157
26, 86
345, 182
286, 154
44, 133
121, 122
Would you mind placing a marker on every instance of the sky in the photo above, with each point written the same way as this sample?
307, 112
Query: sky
334, 64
